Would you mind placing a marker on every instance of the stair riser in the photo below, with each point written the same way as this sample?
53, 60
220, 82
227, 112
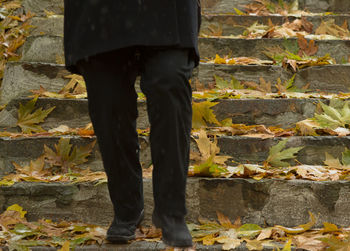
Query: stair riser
208, 6
242, 150
272, 112
21, 77
267, 201
230, 24
236, 25
47, 49
338, 49
227, 6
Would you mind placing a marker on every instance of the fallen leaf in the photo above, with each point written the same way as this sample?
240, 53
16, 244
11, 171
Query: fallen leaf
28, 120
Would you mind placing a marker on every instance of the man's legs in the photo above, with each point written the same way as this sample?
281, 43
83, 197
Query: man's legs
165, 74
110, 81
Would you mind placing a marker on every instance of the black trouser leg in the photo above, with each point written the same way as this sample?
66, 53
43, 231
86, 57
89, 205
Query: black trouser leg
165, 81
113, 110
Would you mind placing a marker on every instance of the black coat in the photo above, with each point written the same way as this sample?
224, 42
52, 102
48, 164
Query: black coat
96, 26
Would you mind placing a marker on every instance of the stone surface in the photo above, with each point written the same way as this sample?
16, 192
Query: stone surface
227, 6
242, 149
236, 25
208, 6
274, 202
21, 77
45, 26
39, 6
82, 202
43, 49
270, 112
338, 49
148, 246
49, 49
22, 150
69, 112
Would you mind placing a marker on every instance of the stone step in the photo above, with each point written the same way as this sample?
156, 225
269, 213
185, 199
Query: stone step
227, 6
270, 112
338, 49
242, 149
208, 6
268, 201
49, 49
21, 77
235, 25
148, 246
230, 24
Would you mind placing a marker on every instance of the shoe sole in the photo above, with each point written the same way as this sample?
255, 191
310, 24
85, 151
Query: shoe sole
122, 238
157, 224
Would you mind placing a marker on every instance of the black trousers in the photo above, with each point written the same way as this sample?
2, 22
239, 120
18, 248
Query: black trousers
165, 74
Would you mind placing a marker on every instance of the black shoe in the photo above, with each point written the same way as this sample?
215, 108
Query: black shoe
121, 232
174, 230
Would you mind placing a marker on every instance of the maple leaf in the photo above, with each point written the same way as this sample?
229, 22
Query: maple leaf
306, 48
209, 163
65, 156
203, 114
277, 154
333, 117
28, 120
330, 28
35, 168
223, 84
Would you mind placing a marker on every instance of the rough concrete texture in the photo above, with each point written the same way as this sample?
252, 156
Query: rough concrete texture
270, 112
149, 246
80, 202
21, 77
276, 201
50, 49
209, 6
22, 150
43, 49
241, 149
253, 150
69, 112
236, 25
272, 202
208, 47
39, 6
318, 78
227, 6
48, 26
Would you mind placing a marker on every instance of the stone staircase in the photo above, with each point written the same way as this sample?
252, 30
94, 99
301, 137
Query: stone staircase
268, 201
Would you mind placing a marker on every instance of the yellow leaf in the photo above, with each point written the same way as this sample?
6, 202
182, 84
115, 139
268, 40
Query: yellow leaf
28, 120
301, 228
17, 208
5, 182
329, 227
219, 60
65, 246
203, 114
288, 246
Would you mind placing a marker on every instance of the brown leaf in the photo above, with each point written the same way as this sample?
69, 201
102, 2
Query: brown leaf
310, 244
224, 220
